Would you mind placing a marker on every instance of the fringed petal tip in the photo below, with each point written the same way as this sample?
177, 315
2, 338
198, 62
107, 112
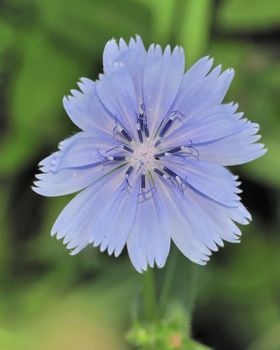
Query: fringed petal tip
35, 189
146, 266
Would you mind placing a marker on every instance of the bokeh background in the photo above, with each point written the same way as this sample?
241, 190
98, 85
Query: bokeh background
49, 300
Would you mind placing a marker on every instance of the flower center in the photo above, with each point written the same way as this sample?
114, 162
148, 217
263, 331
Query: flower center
143, 155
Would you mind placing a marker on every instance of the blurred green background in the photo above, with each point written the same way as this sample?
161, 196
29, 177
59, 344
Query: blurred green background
49, 300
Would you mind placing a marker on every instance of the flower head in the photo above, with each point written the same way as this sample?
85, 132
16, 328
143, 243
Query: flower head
149, 161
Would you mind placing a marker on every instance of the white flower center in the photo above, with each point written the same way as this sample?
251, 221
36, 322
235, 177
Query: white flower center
143, 155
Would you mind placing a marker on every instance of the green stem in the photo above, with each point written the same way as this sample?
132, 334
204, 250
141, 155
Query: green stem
192, 288
167, 283
149, 296
183, 290
191, 292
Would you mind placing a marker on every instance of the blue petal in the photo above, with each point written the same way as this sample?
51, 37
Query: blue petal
82, 149
75, 223
76, 165
113, 51
210, 180
198, 222
110, 55
69, 181
182, 222
149, 240
132, 56
233, 150
162, 78
120, 212
218, 135
199, 91
208, 125
117, 93
222, 218
86, 111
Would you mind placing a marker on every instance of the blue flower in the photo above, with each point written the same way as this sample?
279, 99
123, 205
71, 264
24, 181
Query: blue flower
150, 160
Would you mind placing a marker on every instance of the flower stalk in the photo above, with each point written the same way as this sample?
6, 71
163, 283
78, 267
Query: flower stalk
150, 296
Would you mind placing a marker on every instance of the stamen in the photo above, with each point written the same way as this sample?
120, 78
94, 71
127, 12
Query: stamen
158, 155
143, 124
170, 152
103, 158
158, 143
175, 150
143, 121
138, 127
170, 172
145, 194
117, 158
127, 173
177, 178
166, 127
146, 129
111, 158
143, 182
186, 150
173, 115
127, 149
161, 173
129, 170
124, 147
124, 133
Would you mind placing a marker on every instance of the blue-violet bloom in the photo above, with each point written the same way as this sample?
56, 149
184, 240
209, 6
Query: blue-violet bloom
150, 160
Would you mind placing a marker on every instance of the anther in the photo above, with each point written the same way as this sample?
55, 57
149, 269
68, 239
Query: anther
146, 129
177, 177
158, 143
143, 182
127, 173
161, 173
129, 170
173, 115
166, 127
124, 147
127, 149
158, 155
124, 133
143, 121
168, 124
174, 150
170, 172
169, 152
140, 136
117, 158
